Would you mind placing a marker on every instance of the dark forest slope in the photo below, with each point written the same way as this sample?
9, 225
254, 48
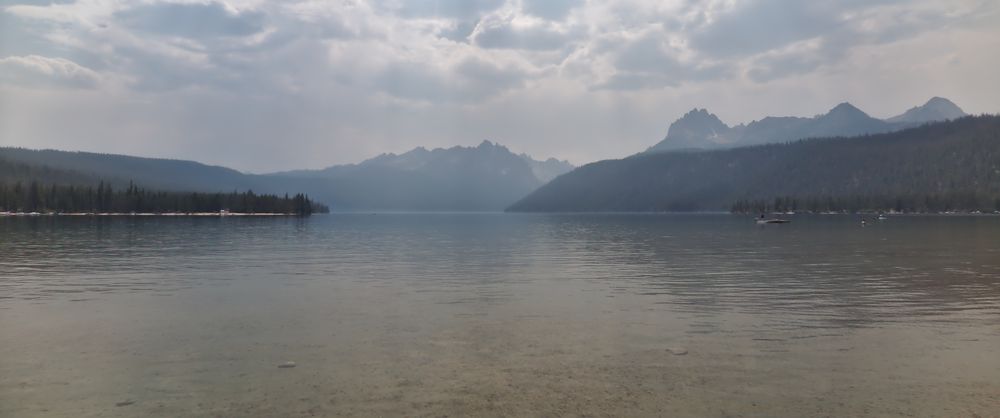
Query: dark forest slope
960, 157
85, 168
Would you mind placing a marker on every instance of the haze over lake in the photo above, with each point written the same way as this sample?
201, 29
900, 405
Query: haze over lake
499, 314
499, 208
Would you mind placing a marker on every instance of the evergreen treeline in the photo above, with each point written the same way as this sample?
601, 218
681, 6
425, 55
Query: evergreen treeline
87, 169
948, 202
952, 165
36, 197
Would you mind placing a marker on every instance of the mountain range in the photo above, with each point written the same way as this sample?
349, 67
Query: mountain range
952, 164
905, 154
488, 177
482, 178
699, 129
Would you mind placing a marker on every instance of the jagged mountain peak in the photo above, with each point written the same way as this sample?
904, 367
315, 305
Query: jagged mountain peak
701, 113
698, 120
698, 128
548, 169
488, 145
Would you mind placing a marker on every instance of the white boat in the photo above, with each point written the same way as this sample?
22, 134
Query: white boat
772, 221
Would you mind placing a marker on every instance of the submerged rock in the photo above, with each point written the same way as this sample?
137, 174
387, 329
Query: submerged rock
677, 351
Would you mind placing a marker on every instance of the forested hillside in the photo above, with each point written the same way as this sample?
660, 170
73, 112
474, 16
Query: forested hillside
954, 163
85, 168
19, 172
152, 172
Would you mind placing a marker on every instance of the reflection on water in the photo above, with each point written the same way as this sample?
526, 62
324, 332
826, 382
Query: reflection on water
458, 314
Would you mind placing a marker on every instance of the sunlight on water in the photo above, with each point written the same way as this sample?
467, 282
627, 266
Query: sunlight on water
494, 314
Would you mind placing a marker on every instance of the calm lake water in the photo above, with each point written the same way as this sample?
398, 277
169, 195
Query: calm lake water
499, 315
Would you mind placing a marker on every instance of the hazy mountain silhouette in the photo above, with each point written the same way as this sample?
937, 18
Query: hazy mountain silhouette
482, 178
936, 109
547, 170
952, 160
699, 129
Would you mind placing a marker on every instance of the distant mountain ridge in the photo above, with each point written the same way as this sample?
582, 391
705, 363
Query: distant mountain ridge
488, 177
699, 129
421, 158
547, 170
937, 164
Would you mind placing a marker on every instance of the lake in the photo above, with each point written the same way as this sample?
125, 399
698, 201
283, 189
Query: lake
499, 315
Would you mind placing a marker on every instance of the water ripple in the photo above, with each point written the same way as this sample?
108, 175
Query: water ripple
815, 271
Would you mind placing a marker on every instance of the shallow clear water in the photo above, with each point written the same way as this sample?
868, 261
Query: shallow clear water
499, 314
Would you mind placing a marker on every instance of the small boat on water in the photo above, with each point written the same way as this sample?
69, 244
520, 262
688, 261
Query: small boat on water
772, 221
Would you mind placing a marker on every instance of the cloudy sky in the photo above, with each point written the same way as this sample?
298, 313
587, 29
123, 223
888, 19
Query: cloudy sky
269, 85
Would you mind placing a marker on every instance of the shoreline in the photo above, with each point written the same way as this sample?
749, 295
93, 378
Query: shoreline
217, 214
945, 213
174, 214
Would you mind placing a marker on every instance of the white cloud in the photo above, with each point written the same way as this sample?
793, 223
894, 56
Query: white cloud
342, 79
39, 71
526, 34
